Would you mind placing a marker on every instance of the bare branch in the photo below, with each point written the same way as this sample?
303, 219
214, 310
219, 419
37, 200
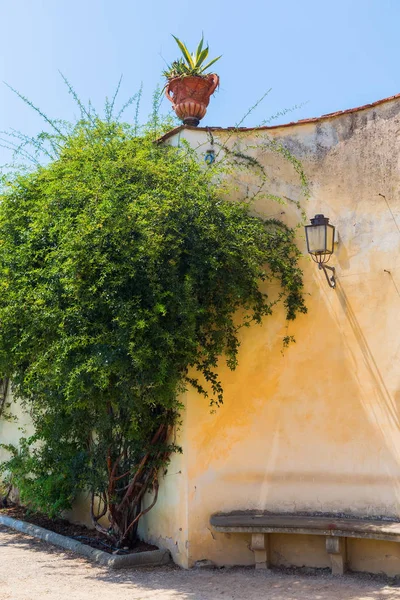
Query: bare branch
143, 512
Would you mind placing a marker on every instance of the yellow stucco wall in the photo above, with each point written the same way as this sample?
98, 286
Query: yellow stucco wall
17, 426
317, 428
168, 526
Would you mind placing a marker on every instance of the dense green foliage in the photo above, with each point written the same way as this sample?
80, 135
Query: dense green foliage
125, 276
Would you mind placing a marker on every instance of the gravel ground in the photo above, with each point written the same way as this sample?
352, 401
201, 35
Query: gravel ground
34, 570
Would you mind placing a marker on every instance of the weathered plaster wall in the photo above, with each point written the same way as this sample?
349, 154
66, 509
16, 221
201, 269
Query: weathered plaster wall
315, 428
19, 425
166, 525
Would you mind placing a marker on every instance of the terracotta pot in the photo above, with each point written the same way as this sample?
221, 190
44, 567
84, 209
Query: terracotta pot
190, 96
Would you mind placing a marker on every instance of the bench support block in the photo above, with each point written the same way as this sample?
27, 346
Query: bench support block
336, 548
260, 547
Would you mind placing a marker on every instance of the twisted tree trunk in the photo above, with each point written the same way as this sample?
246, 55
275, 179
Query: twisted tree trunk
122, 501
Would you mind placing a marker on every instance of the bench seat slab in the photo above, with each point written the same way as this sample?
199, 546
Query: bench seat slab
281, 523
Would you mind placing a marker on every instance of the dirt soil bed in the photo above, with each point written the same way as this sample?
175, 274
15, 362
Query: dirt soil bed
90, 537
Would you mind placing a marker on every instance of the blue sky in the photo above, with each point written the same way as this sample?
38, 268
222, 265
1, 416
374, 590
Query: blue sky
329, 55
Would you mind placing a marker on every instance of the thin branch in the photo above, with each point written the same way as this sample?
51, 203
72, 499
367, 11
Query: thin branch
75, 96
17, 150
139, 97
252, 108
143, 512
282, 113
121, 476
28, 140
3, 394
127, 104
95, 519
115, 97
41, 113
140, 467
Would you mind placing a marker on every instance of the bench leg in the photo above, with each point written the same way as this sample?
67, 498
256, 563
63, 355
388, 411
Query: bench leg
336, 548
260, 547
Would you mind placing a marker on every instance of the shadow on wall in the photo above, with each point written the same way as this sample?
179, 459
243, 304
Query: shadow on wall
381, 409
315, 430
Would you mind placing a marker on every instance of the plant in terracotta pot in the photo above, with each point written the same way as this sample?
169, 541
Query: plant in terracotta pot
188, 86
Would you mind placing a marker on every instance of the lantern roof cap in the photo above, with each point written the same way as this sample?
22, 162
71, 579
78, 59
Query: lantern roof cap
319, 220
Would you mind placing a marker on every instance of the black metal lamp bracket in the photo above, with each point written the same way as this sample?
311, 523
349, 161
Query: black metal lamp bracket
331, 280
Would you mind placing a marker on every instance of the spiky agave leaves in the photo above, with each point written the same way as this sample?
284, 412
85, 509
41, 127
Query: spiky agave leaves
190, 64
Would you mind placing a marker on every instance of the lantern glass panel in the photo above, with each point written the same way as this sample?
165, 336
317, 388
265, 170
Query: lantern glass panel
330, 234
316, 239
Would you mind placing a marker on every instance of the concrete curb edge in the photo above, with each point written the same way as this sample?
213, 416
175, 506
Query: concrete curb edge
140, 559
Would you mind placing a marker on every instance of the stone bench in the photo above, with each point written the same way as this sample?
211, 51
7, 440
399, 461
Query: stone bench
335, 530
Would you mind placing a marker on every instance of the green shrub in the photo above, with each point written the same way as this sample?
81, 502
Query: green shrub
125, 276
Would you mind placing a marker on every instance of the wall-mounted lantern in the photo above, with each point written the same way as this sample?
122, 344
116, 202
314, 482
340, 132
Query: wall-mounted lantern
320, 238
